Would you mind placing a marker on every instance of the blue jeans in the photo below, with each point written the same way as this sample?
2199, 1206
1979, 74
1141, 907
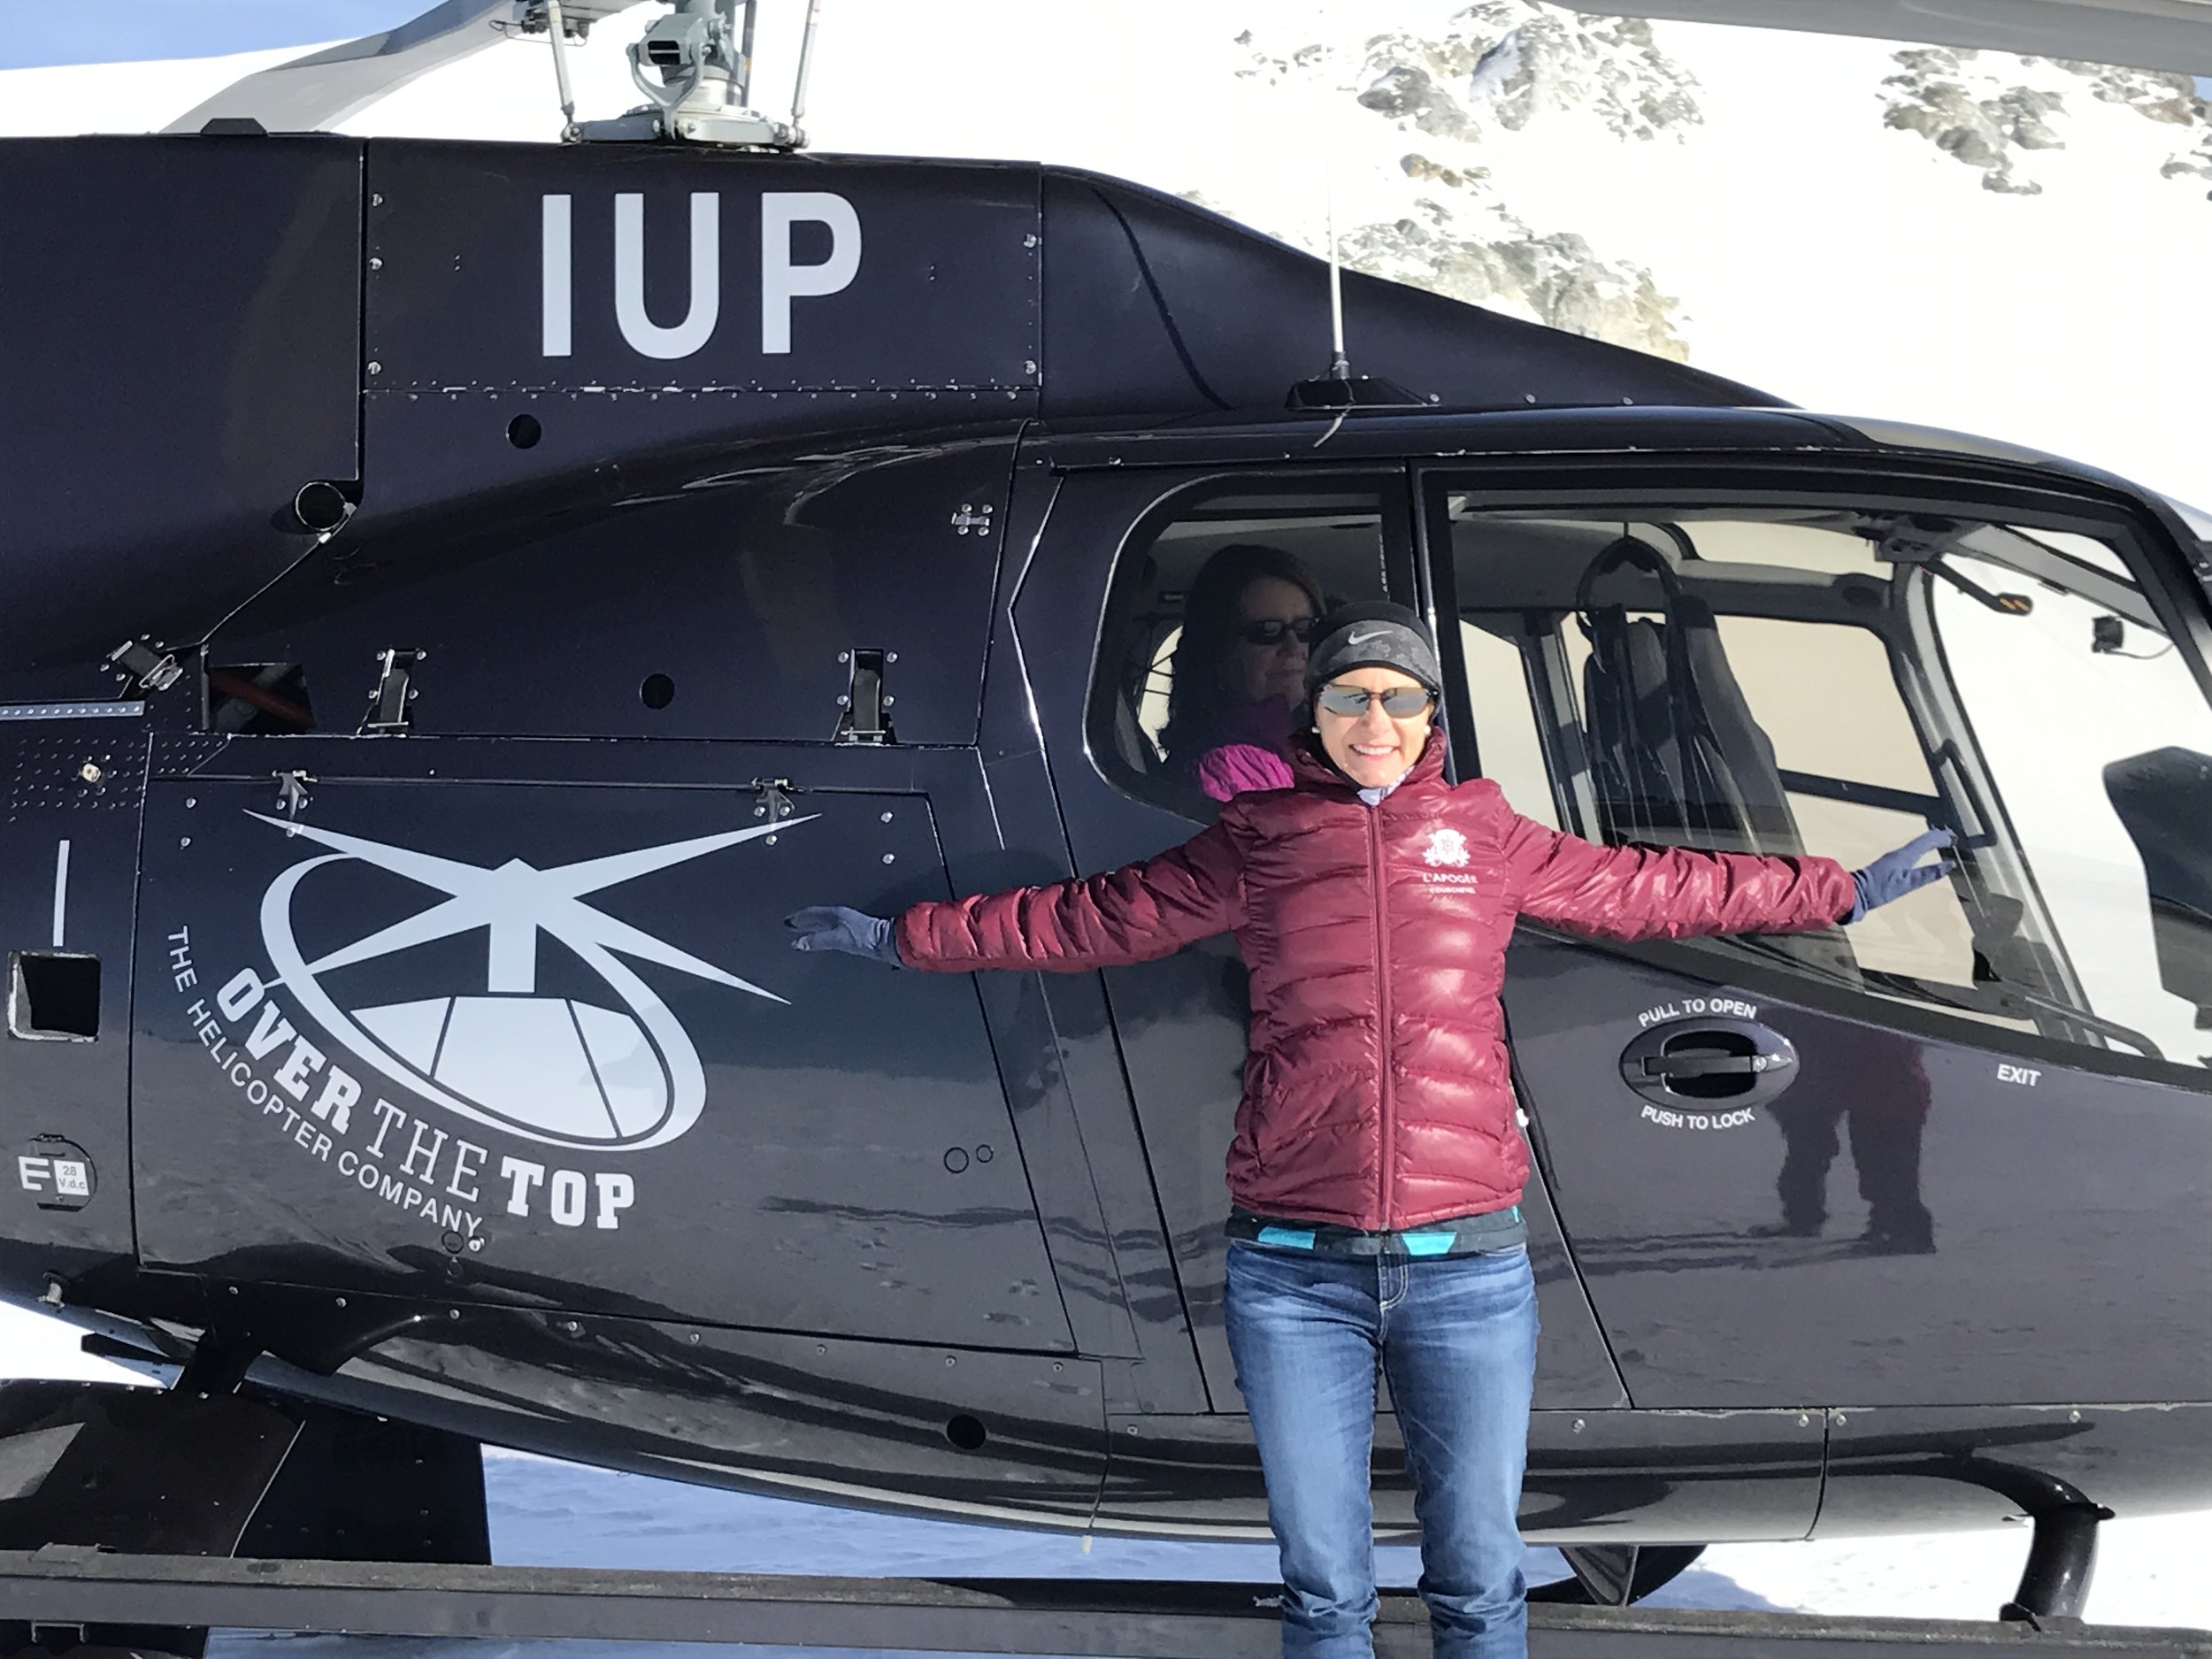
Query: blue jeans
1457, 1336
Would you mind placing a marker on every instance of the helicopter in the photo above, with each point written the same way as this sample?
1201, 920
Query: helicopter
460, 597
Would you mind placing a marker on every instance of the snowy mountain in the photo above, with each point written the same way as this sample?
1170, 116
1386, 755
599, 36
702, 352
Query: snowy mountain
1499, 67
1772, 208
1990, 114
2004, 245
1517, 61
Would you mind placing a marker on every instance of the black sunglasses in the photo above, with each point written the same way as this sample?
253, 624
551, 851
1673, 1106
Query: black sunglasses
1399, 702
1273, 630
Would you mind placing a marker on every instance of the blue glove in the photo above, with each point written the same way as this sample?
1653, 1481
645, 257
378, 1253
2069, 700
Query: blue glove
834, 927
1893, 875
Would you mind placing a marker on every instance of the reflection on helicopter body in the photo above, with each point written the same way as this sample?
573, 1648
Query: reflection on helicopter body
1876, 1087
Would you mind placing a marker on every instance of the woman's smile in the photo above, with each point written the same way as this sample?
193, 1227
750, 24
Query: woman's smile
1373, 747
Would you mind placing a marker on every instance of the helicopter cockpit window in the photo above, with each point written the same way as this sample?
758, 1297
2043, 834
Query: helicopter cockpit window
2099, 745
1827, 681
1202, 660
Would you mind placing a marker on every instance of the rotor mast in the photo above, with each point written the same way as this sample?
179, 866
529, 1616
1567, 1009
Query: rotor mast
696, 68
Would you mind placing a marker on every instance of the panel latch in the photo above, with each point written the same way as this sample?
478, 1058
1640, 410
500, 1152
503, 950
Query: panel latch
866, 703
142, 661
395, 690
291, 797
772, 800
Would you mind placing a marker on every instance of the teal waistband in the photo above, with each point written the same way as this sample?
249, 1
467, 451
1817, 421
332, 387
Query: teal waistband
1461, 1235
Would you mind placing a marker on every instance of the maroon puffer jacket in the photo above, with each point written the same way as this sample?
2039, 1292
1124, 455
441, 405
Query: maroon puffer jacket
1376, 1093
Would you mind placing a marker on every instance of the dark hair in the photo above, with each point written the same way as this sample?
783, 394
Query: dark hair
1195, 697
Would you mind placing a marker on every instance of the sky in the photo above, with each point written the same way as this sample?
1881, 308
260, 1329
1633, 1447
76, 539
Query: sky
124, 31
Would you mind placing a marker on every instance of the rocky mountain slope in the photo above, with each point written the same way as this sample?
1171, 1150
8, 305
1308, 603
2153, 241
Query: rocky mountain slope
1503, 67
1988, 111
1467, 90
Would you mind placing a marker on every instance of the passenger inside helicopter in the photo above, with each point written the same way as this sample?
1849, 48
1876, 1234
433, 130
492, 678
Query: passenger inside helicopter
1239, 670
1326, 546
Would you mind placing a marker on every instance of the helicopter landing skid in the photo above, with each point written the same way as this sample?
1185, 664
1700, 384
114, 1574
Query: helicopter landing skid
188, 1474
60, 1589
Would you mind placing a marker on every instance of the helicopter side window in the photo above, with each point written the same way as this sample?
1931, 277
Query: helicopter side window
1203, 654
1846, 770
1493, 659
1662, 697
1827, 681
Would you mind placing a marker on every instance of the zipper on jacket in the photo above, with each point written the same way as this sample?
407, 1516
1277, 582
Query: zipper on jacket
1382, 995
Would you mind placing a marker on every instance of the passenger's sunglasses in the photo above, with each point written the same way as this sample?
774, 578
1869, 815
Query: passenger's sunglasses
1273, 631
1399, 702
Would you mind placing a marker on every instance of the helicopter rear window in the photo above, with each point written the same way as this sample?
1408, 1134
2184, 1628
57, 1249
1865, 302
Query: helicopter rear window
1823, 680
1202, 664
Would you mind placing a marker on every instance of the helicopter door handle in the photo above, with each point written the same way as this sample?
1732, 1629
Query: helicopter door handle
1712, 1064
1686, 1061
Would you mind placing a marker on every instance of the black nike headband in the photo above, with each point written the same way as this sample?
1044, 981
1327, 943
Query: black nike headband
1373, 634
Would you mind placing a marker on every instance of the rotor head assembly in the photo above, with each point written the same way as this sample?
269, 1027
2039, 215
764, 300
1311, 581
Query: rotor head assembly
696, 68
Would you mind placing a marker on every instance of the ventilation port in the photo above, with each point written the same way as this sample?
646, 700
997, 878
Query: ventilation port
54, 996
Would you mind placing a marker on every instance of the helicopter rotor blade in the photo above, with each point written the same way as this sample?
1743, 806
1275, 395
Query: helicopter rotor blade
2167, 34
316, 92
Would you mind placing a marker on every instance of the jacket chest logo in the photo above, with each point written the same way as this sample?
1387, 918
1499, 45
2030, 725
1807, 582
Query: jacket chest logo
1446, 848
1445, 856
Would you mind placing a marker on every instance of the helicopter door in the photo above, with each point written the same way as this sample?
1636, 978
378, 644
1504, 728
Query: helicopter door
1125, 732
1961, 1151
525, 1028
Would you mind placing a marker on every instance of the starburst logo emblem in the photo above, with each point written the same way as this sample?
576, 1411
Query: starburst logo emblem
1446, 847
551, 1068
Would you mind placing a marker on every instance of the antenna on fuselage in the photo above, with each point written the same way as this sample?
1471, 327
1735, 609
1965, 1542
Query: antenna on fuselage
1339, 366
1338, 391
